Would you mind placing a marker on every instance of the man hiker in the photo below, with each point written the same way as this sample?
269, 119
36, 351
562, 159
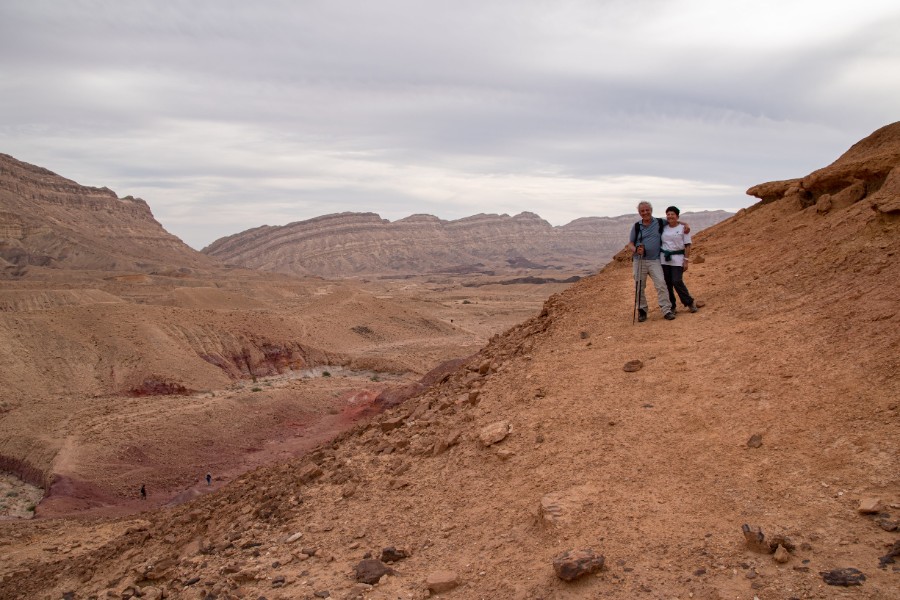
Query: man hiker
208, 479
143, 492
644, 243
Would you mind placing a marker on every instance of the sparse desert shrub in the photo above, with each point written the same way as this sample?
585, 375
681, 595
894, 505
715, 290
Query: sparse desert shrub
31, 508
12, 494
466, 302
375, 378
256, 389
326, 374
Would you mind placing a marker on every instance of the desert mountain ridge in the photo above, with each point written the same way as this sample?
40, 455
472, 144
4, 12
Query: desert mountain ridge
364, 244
747, 450
52, 222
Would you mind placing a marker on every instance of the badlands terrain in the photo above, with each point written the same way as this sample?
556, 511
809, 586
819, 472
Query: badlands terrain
750, 450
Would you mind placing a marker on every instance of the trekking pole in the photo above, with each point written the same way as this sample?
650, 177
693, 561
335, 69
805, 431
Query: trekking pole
637, 288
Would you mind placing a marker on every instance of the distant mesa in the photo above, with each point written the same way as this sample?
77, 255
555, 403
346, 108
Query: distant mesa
356, 244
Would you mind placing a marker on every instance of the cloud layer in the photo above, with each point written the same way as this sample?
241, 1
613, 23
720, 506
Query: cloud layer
225, 116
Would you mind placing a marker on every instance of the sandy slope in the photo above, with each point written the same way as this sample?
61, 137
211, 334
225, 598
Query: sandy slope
797, 343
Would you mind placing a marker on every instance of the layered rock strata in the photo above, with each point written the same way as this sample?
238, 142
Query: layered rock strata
348, 244
50, 221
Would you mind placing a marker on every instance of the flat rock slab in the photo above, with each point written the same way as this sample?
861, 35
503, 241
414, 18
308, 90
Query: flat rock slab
633, 365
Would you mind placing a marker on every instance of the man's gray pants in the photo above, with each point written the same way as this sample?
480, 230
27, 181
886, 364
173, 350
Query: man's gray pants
654, 269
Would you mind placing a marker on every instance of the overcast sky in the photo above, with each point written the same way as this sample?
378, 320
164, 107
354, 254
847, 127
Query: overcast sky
228, 115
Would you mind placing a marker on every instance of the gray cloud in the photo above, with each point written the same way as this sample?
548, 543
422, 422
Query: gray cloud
226, 115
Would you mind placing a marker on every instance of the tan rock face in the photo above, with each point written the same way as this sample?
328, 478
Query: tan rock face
49, 221
364, 243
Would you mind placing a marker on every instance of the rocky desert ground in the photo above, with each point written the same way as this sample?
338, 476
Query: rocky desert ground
749, 450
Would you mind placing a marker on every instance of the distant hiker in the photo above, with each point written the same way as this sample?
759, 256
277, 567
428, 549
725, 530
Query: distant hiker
645, 242
208, 479
143, 492
675, 257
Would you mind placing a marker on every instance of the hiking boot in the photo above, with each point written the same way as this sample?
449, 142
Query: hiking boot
642, 315
670, 316
693, 308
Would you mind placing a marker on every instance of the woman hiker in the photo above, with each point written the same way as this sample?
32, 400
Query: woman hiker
675, 257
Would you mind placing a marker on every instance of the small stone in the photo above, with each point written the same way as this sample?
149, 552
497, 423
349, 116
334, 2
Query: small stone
633, 365
371, 571
441, 581
494, 433
322, 594
843, 577
870, 506
572, 564
888, 558
293, 538
781, 554
755, 441
391, 554
584, 335
391, 424
887, 523
484, 367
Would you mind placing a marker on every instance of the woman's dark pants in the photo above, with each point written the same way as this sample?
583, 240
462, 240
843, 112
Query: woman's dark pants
675, 283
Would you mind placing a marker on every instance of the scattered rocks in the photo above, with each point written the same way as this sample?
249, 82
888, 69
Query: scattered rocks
573, 564
371, 571
843, 577
633, 365
494, 433
755, 441
441, 581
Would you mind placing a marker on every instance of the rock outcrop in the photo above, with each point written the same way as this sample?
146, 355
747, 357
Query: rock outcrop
868, 166
349, 244
50, 221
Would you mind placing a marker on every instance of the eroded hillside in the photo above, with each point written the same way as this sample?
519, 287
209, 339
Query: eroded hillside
774, 407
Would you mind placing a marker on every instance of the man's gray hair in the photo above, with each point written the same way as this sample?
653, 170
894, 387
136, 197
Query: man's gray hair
644, 203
